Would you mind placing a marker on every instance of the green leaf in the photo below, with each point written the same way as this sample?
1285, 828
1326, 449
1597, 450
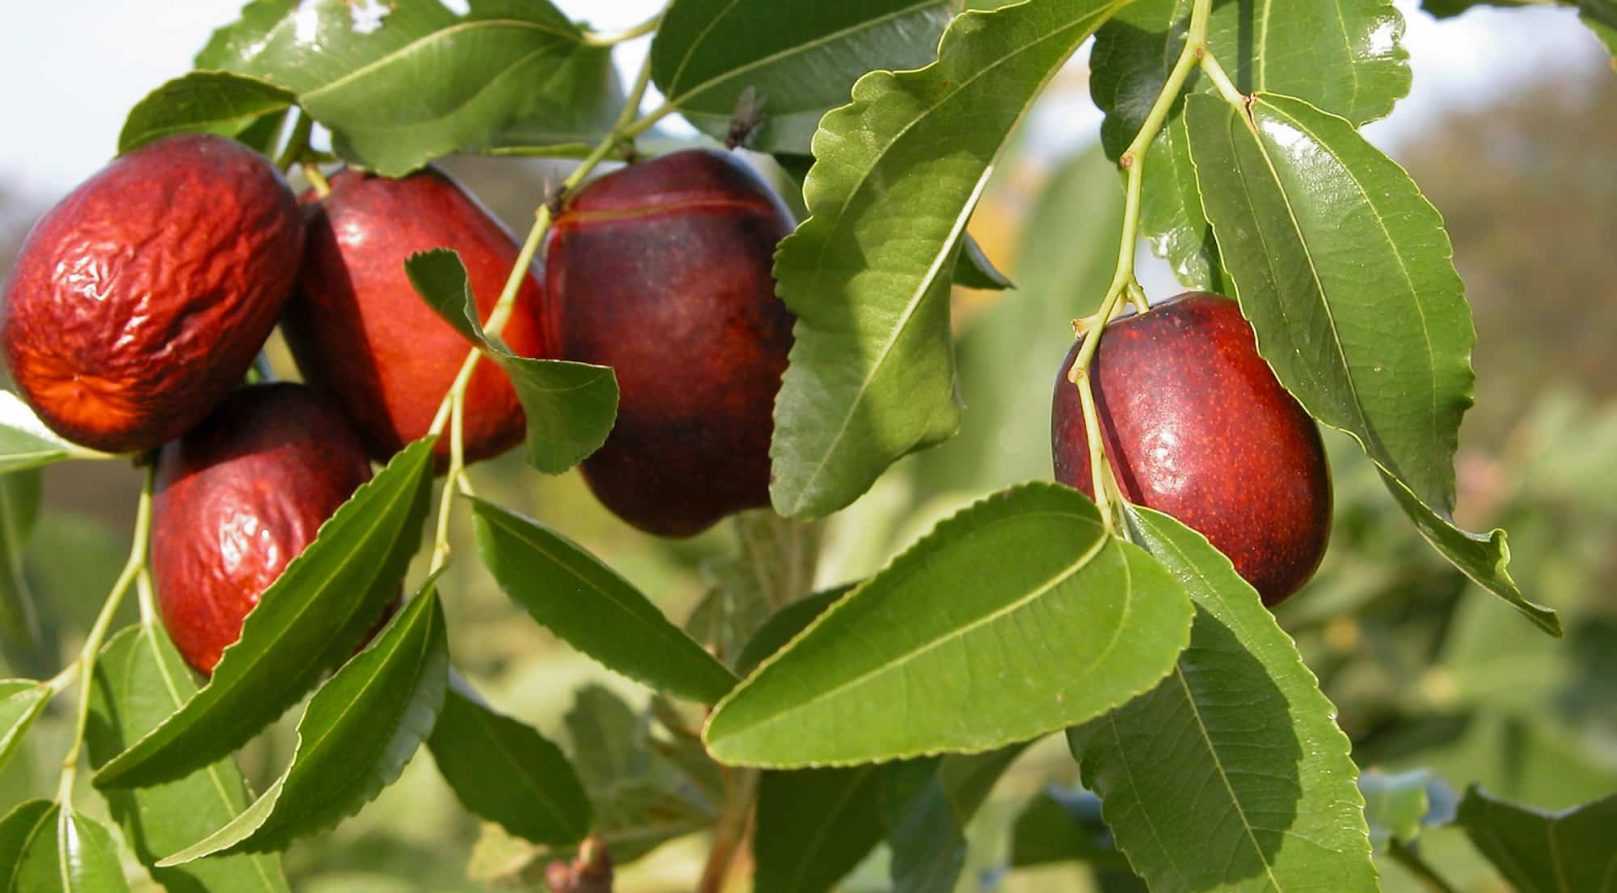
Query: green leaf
1344, 56
139, 680
1541, 852
800, 59
785, 626
1348, 278
311, 619
570, 407
928, 804
404, 83
872, 374
641, 798
594, 609
65, 852
26, 443
1398, 805
975, 269
1060, 825
356, 736
1241, 724
20, 702
16, 829
20, 637
815, 825
216, 102
507, 773
1014, 618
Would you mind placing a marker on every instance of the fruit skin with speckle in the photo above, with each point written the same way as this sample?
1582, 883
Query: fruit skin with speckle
141, 299
237, 499
1196, 425
359, 330
663, 271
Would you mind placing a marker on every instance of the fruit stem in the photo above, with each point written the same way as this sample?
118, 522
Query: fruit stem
298, 143
1124, 283
613, 38
317, 180
451, 410
734, 824
133, 569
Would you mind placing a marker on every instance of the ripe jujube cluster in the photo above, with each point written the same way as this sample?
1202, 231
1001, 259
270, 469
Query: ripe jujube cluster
138, 303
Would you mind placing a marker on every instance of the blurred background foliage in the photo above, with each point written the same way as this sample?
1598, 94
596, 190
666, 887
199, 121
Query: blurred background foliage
1425, 672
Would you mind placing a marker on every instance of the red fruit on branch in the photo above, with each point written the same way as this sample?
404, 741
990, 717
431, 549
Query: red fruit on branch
663, 271
237, 499
359, 330
1196, 425
141, 299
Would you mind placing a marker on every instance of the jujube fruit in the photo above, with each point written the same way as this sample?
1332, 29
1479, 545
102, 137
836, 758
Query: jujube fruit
1196, 425
359, 330
662, 270
237, 499
141, 299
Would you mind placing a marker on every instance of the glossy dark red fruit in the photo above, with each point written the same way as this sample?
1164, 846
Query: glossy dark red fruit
1196, 425
359, 330
238, 498
140, 300
662, 270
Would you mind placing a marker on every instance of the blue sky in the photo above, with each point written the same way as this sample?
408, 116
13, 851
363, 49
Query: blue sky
75, 67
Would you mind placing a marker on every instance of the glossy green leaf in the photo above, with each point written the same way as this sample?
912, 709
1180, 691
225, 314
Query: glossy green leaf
20, 636
799, 59
216, 102
570, 407
872, 374
20, 702
403, 83
1348, 278
310, 620
356, 736
641, 798
594, 609
17, 828
1232, 774
1017, 617
785, 625
815, 825
1398, 805
26, 443
139, 680
1541, 852
975, 269
1344, 56
65, 852
1059, 825
507, 773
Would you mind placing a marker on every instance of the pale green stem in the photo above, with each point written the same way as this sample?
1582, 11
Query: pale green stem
317, 180
1221, 81
452, 408
613, 38
297, 143
1132, 161
98, 632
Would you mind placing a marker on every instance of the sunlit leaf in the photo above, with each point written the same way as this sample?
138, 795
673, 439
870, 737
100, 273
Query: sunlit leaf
26, 443
1348, 278
1232, 774
216, 102
310, 620
356, 736
139, 680
65, 852
570, 407
20, 702
799, 59
1017, 617
594, 609
897, 175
